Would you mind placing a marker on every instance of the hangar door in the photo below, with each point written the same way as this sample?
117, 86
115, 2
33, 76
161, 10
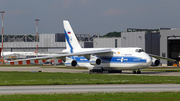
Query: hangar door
174, 48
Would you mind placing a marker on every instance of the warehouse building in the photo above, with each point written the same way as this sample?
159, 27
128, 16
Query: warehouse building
106, 42
170, 44
164, 42
148, 41
53, 42
46, 42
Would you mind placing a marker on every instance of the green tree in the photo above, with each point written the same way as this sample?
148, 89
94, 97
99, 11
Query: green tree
112, 34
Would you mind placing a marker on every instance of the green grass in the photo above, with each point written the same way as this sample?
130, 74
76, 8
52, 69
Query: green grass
43, 78
152, 96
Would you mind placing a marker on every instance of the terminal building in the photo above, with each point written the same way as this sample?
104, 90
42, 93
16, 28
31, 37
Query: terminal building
164, 42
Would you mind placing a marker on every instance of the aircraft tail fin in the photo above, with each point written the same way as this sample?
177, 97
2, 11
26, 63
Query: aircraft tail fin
71, 40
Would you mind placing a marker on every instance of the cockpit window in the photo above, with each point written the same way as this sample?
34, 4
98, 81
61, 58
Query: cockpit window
139, 50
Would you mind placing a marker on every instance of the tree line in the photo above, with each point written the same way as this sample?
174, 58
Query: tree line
112, 34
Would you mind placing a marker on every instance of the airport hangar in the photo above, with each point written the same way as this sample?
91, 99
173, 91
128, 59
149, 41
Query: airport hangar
52, 43
164, 42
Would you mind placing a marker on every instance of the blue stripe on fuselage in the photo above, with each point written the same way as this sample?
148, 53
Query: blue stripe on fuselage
124, 59
120, 59
67, 39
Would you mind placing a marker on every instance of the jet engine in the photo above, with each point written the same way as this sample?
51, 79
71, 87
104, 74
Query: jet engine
155, 62
71, 63
95, 60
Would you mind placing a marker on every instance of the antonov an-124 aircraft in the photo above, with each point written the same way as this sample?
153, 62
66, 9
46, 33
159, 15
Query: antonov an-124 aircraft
102, 59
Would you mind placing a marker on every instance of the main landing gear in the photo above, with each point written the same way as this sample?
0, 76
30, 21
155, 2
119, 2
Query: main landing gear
136, 72
95, 71
100, 71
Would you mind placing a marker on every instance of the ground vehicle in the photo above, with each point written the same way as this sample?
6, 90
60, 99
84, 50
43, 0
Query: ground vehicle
48, 63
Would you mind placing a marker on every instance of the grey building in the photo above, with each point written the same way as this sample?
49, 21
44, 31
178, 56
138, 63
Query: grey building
52, 42
149, 41
164, 42
104, 42
170, 44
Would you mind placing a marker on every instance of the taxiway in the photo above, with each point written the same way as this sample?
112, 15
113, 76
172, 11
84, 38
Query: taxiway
89, 88
52, 69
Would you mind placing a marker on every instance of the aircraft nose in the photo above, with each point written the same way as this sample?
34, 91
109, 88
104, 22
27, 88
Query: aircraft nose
148, 60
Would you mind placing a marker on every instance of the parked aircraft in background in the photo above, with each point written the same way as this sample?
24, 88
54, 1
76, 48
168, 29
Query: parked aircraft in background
12, 55
102, 59
24, 54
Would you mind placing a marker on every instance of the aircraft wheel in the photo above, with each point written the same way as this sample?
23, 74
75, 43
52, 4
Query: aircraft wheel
95, 71
134, 72
100, 71
138, 72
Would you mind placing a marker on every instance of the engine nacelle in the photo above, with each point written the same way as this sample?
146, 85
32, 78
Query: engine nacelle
155, 62
71, 63
95, 60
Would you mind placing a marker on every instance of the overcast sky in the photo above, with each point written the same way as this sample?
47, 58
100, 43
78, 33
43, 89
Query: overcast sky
88, 16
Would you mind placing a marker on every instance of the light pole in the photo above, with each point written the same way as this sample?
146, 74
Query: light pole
2, 38
36, 37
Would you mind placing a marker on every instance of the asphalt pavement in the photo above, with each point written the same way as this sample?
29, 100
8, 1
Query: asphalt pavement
89, 88
68, 70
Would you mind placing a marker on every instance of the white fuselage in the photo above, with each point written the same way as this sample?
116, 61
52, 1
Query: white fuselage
118, 59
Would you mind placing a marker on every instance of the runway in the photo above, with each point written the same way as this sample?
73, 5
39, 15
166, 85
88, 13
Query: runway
38, 68
53, 69
89, 88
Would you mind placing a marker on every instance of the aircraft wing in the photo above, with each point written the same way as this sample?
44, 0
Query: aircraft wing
66, 55
159, 57
57, 52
